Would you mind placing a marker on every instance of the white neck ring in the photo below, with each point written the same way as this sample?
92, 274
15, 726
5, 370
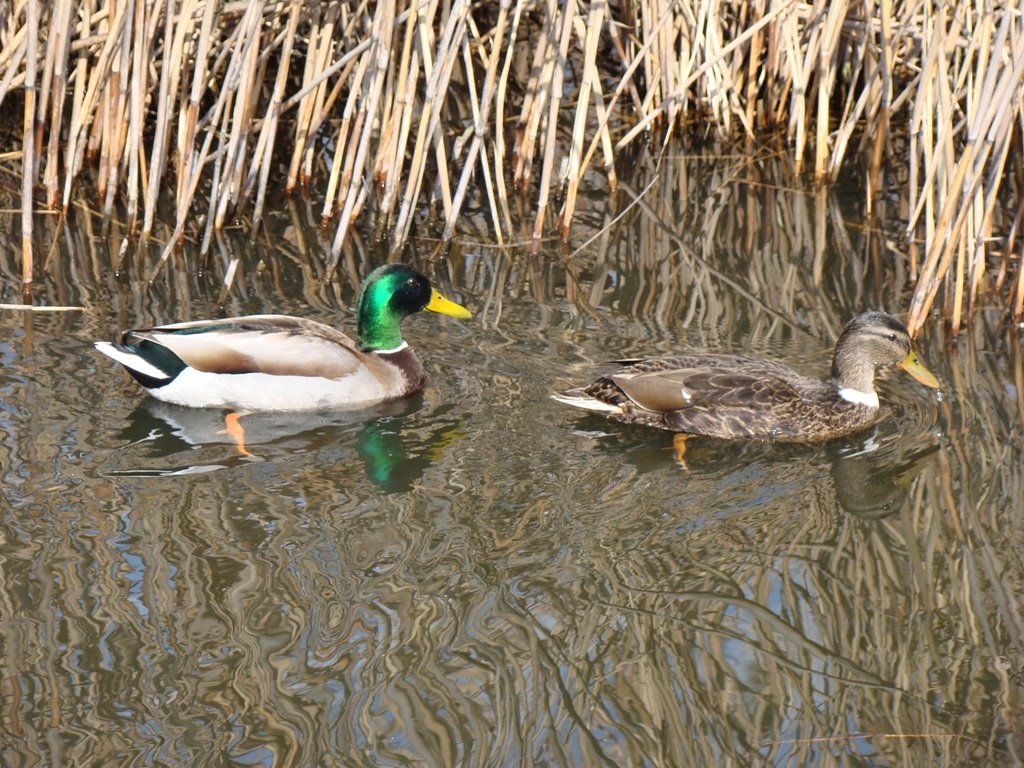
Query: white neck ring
850, 395
399, 348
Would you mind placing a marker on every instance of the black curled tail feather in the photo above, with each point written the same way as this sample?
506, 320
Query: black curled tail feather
154, 359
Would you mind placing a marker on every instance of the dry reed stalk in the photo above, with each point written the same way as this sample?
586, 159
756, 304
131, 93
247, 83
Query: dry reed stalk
243, 79
166, 91
189, 114
342, 158
437, 83
12, 52
222, 76
136, 99
645, 123
1017, 289
755, 62
313, 61
541, 71
356, 190
985, 211
554, 99
799, 77
595, 22
192, 182
652, 20
60, 33
37, 308
394, 84
402, 104
336, 183
84, 128
119, 101
879, 122
826, 75
481, 114
501, 96
28, 154
269, 130
442, 183
997, 81
709, 48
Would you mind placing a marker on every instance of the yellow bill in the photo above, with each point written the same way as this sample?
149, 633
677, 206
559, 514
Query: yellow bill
916, 369
439, 303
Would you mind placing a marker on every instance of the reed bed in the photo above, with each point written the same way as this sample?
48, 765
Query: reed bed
385, 110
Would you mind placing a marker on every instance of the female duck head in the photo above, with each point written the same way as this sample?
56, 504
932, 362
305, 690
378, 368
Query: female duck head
871, 340
388, 295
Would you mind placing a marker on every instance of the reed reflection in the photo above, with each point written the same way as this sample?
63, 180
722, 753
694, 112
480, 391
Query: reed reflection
549, 590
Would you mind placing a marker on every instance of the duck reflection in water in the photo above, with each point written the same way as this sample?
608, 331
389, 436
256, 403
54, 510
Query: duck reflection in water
872, 481
393, 459
871, 473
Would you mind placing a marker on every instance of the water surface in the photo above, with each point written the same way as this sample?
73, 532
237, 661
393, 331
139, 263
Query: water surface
481, 576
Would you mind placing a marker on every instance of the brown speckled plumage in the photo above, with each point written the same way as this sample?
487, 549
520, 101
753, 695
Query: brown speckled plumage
732, 396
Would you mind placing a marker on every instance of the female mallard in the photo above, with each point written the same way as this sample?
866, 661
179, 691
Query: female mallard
730, 396
281, 363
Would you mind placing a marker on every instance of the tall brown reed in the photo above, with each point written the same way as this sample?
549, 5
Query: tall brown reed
385, 107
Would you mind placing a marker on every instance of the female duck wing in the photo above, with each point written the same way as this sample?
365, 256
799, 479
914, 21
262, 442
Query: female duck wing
717, 382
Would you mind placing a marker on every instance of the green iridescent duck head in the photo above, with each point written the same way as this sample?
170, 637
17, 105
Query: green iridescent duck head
389, 294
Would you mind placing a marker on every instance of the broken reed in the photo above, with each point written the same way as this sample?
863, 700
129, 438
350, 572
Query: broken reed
385, 106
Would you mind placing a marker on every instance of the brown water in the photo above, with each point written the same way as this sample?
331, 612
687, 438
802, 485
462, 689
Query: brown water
481, 576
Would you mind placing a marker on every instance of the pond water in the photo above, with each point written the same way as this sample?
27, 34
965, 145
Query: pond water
481, 576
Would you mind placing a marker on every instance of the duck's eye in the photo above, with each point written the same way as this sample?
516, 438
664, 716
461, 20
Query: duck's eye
411, 282
892, 337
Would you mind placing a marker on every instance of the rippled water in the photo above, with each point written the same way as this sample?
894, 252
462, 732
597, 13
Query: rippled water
481, 576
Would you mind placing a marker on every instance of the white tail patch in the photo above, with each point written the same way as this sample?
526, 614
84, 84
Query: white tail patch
130, 361
586, 402
850, 395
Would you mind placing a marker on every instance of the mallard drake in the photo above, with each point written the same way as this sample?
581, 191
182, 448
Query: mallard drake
731, 396
282, 363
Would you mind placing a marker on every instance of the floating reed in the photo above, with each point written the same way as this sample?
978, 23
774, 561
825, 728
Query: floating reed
381, 108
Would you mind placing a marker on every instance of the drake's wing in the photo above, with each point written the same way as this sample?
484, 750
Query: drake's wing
272, 344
